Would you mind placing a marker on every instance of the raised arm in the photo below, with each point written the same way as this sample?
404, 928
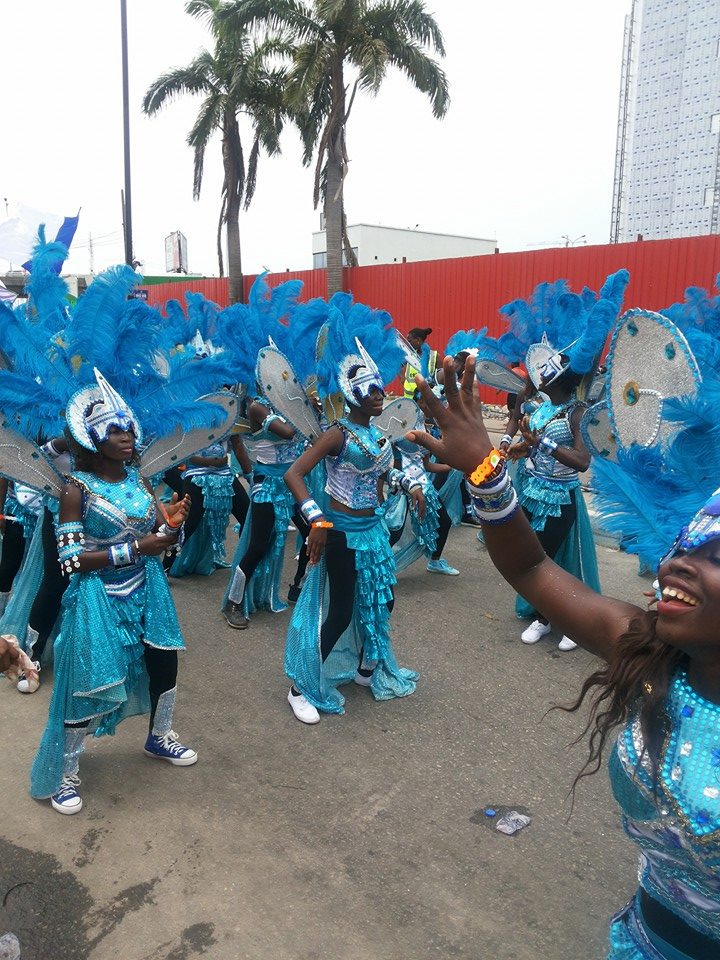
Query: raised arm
591, 620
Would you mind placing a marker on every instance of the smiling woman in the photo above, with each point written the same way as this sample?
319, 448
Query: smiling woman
660, 684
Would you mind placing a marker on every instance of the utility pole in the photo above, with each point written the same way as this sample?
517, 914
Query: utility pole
127, 198
92, 253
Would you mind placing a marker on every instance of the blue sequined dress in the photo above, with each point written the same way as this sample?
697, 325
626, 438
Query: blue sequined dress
204, 551
419, 537
272, 457
352, 478
544, 486
678, 831
107, 614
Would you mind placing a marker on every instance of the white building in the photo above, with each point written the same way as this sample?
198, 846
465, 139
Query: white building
375, 244
667, 166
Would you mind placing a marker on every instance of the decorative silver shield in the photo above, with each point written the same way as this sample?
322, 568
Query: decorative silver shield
649, 360
284, 391
22, 461
398, 417
495, 374
180, 444
597, 432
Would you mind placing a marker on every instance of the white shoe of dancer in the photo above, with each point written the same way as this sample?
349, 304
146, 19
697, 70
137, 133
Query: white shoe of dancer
304, 711
361, 680
567, 644
535, 631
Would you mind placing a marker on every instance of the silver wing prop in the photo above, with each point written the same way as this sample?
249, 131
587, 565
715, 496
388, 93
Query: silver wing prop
495, 374
597, 432
398, 417
285, 392
180, 444
649, 360
333, 405
412, 357
22, 461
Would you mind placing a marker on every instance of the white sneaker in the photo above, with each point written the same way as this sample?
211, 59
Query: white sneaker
304, 711
567, 644
362, 681
27, 684
67, 800
535, 631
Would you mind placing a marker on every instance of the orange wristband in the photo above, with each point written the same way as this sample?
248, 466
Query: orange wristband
322, 524
483, 470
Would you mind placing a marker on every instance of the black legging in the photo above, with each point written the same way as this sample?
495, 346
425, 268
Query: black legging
239, 508
48, 600
444, 524
262, 518
13, 547
161, 666
304, 530
556, 529
341, 574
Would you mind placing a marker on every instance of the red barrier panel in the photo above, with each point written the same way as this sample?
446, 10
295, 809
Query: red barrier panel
450, 295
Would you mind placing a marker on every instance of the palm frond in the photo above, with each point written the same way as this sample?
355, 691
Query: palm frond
197, 77
424, 73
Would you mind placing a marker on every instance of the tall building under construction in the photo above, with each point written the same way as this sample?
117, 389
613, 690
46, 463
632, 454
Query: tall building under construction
667, 164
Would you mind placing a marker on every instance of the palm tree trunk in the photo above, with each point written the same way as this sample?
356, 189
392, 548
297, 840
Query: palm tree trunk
334, 204
234, 178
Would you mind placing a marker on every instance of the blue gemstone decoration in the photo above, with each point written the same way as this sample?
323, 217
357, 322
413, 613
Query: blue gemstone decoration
490, 812
670, 351
703, 818
687, 711
715, 756
632, 328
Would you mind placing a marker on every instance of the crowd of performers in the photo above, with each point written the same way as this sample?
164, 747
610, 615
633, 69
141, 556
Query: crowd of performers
130, 436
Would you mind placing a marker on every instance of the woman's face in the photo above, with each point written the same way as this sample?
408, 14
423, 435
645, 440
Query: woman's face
372, 404
120, 445
689, 612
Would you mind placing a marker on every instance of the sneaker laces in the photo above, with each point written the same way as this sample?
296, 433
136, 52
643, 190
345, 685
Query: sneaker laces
171, 742
68, 786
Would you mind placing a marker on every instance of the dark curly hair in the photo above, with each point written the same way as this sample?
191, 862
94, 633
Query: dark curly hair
635, 680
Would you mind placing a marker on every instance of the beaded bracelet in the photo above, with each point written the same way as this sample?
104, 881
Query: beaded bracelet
494, 502
310, 511
489, 466
548, 445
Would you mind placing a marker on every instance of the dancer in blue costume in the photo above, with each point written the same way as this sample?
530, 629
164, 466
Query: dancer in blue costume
566, 333
661, 681
411, 537
340, 628
258, 561
215, 492
116, 655
19, 510
548, 487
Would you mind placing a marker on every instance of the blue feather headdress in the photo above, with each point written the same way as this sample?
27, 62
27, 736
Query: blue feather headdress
349, 322
124, 339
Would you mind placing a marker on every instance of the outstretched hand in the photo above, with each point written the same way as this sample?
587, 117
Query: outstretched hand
465, 441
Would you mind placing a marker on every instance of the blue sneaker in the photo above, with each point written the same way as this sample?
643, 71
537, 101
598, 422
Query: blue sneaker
442, 566
67, 800
169, 748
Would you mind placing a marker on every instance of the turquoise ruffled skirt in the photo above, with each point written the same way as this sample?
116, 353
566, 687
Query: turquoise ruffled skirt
577, 555
368, 634
263, 591
419, 537
99, 673
204, 552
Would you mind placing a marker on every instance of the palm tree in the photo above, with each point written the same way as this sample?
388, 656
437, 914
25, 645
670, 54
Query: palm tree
327, 37
234, 79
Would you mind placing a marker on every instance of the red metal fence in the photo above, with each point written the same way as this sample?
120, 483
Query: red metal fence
450, 295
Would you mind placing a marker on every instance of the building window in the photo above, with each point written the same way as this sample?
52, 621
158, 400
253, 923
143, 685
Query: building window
709, 196
320, 259
715, 123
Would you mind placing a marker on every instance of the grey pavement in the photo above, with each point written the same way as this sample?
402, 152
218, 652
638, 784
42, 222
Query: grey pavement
362, 838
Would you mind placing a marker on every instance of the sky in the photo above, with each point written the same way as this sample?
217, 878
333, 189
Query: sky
525, 154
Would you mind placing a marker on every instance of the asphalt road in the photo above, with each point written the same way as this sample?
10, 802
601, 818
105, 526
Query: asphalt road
361, 838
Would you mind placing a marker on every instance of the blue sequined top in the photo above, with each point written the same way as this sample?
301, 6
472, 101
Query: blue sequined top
543, 464
266, 447
679, 830
353, 474
116, 513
